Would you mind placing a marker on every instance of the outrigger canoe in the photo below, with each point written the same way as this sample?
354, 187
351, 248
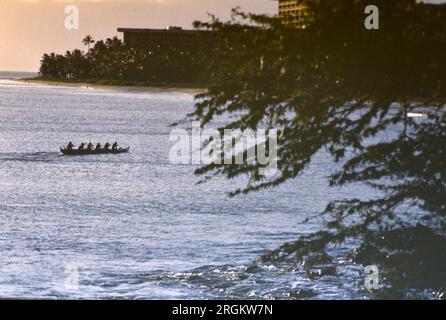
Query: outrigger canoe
85, 152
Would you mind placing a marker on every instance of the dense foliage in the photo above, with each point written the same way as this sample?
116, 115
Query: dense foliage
111, 60
332, 86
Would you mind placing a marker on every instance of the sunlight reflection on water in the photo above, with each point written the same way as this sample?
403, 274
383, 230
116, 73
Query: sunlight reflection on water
136, 225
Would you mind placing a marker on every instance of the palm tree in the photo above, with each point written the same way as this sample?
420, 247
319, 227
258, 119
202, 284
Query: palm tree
88, 40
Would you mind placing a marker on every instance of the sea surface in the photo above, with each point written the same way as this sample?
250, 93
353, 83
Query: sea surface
17, 74
134, 225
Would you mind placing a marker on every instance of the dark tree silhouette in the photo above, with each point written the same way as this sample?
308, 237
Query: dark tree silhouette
331, 85
87, 41
112, 61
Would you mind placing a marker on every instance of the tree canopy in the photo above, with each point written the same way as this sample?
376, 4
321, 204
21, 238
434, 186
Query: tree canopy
329, 84
111, 60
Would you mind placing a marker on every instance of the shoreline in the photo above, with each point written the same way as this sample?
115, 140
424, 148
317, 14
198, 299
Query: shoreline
92, 85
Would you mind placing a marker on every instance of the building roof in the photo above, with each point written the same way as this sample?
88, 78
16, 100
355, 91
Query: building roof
145, 30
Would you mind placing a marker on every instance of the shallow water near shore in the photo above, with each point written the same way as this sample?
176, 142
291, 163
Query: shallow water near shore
134, 225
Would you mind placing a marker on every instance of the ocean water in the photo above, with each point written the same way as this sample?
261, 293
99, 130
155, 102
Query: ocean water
16, 74
134, 225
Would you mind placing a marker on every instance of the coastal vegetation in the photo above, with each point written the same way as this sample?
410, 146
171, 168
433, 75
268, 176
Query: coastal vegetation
112, 62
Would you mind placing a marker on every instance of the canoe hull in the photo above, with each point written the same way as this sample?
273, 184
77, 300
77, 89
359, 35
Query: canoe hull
91, 152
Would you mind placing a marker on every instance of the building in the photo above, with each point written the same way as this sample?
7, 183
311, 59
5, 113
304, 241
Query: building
291, 11
181, 39
190, 40
170, 37
289, 7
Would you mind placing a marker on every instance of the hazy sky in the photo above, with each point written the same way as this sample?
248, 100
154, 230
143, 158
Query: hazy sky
29, 28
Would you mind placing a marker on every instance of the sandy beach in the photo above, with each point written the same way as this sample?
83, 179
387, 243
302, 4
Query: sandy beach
106, 86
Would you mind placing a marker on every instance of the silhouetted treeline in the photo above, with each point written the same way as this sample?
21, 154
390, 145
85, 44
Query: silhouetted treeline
112, 60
